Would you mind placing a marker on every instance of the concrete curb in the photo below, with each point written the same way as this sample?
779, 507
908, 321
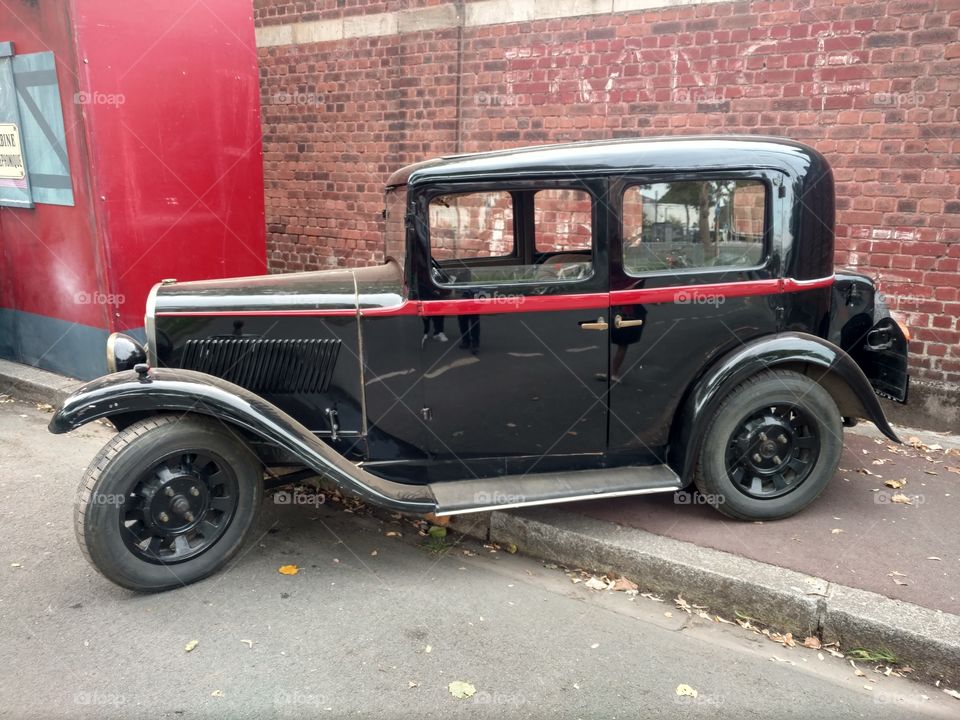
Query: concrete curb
927, 640
32, 384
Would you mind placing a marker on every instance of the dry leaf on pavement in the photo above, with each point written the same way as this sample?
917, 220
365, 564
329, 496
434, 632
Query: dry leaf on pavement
623, 585
812, 643
901, 499
461, 690
595, 583
684, 690
189, 647
857, 671
952, 693
288, 570
895, 484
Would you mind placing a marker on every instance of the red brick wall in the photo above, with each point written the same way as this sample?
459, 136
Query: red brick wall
875, 86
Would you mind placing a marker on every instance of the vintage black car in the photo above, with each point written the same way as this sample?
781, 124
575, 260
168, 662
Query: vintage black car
549, 324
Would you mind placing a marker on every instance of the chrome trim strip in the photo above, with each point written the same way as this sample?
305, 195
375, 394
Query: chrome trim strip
555, 501
150, 325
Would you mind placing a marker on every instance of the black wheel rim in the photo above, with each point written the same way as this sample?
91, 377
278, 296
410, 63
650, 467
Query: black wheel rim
773, 451
179, 508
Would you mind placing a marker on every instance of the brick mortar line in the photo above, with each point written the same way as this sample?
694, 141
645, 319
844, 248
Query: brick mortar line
483, 13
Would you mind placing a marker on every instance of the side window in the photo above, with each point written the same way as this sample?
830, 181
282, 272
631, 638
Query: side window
475, 238
693, 224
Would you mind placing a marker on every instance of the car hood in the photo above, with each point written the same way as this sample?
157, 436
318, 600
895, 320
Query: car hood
340, 289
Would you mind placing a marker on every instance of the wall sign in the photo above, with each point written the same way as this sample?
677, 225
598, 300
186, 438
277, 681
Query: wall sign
11, 154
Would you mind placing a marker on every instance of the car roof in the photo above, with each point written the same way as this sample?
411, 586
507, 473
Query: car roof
676, 153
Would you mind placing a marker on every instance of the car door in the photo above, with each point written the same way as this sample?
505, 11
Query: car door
694, 274
514, 299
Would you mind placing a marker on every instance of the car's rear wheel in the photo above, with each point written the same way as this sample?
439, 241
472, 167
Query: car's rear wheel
771, 448
167, 502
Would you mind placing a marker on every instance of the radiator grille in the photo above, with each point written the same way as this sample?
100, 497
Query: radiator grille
265, 365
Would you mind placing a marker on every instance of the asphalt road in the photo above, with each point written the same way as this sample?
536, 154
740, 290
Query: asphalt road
367, 635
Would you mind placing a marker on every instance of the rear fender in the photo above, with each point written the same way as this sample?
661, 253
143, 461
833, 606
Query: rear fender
820, 360
127, 394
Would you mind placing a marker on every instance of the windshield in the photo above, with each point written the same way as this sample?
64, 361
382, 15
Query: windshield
394, 230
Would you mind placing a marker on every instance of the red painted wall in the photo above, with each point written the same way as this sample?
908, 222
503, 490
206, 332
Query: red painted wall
50, 253
177, 161
162, 117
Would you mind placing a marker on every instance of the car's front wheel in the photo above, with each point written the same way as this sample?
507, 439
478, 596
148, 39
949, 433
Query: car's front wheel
771, 448
168, 501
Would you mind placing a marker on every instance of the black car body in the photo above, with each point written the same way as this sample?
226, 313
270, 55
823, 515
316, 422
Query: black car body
549, 324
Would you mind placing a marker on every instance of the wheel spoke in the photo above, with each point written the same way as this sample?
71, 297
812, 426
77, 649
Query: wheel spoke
806, 442
223, 504
181, 545
779, 481
756, 485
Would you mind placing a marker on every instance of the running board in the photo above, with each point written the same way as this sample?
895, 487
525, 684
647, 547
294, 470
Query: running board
512, 491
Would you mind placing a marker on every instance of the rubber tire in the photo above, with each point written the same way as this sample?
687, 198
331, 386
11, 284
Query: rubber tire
772, 386
125, 457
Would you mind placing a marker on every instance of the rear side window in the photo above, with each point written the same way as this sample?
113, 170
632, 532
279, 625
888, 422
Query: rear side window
693, 224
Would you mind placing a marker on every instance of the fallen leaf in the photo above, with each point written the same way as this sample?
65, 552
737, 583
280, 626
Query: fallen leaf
461, 690
934, 557
394, 533
437, 531
837, 531
595, 646
428, 649
934, 447
895, 484
685, 690
901, 499
190, 646
217, 693
812, 643
17, 565
952, 693
288, 570
954, 470
373, 553
512, 549
595, 583
857, 671
249, 643
413, 684
624, 585
668, 614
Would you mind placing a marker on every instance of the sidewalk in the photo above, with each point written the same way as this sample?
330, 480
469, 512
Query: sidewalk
852, 535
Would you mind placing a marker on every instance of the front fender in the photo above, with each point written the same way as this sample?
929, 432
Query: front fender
825, 362
167, 389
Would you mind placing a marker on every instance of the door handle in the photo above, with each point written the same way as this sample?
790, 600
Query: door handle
600, 324
619, 322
